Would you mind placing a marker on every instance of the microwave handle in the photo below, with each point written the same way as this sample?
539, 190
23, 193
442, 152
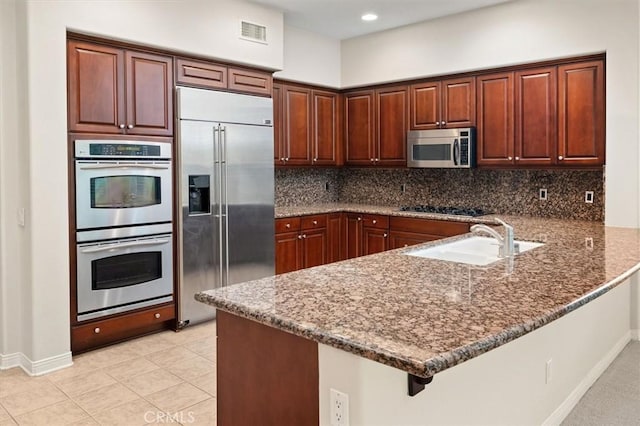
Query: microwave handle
456, 152
154, 242
124, 166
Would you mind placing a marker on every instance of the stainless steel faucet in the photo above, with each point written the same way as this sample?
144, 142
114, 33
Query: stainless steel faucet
507, 248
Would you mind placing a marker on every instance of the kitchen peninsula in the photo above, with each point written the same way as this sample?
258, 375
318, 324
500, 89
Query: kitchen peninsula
431, 318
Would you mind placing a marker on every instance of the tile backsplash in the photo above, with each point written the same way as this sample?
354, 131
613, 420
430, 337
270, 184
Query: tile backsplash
498, 191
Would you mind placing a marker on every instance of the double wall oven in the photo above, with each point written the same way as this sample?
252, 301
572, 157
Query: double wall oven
124, 240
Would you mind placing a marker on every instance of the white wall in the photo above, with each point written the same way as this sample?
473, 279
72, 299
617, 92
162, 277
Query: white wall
33, 151
505, 386
520, 32
310, 58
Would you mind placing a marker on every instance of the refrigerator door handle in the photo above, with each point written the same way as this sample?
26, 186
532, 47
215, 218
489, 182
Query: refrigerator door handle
217, 149
225, 204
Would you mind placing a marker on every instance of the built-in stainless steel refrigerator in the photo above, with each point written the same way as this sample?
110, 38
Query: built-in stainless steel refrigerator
226, 191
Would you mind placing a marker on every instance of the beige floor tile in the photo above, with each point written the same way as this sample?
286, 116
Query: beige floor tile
170, 357
136, 412
19, 382
3, 412
82, 364
105, 398
42, 395
112, 355
60, 414
11, 372
7, 421
87, 421
205, 347
192, 333
85, 383
203, 413
207, 383
177, 398
193, 368
150, 344
151, 382
129, 369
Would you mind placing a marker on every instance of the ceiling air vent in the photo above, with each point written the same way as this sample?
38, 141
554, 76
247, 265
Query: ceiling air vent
253, 32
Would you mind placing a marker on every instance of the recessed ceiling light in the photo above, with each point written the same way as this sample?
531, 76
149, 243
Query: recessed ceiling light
369, 17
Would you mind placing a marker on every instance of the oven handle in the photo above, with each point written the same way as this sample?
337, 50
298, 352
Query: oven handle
153, 242
124, 166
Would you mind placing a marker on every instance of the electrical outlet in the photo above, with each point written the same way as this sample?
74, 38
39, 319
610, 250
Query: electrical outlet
326, 186
547, 375
588, 197
542, 194
339, 408
403, 188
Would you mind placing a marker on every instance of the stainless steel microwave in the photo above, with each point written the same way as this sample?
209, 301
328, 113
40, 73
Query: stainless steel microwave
442, 148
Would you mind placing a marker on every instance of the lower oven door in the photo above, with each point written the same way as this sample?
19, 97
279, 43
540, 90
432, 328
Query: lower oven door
120, 275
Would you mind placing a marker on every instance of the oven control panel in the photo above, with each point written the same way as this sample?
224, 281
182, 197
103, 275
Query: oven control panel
121, 149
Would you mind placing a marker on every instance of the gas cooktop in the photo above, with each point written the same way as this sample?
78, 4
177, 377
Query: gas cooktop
458, 211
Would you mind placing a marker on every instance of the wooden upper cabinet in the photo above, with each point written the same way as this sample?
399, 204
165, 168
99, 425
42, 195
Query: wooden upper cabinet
201, 74
536, 114
279, 150
297, 125
443, 104
119, 91
495, 124
326, 128
359, 127
458, 103
256, 82
96, 88
392, 114
581, 115
149, 94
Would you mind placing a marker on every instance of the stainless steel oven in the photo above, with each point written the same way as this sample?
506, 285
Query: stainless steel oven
122, 269
121, 183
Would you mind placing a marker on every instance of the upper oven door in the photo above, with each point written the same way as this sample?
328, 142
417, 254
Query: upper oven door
122, 192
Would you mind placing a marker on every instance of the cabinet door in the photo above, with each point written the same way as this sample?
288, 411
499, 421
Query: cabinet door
96, 88
255, 82
581, 117
288, 252
325, 128
297, 125
398, 239
149, 94
535, 124
425, 105
495, 119
314, 247
359, 128
374, 240
352, 235
392, 114
279, 151
458, 103
334, 237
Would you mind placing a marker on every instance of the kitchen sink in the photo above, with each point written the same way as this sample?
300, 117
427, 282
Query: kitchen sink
479, 251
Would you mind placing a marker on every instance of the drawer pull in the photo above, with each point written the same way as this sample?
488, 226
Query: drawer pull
375, 221
157, 315
315, 222
288, 225
96, 330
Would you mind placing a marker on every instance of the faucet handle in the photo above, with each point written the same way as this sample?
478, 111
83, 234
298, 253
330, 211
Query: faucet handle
502, 222
516, 248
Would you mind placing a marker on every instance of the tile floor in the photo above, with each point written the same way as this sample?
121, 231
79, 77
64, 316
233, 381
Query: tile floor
165, 378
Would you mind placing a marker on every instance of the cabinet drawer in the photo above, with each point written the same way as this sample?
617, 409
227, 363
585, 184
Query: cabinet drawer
314, 222
287, 224
444, 228
112, 330
250, 81
201, 74
375, 221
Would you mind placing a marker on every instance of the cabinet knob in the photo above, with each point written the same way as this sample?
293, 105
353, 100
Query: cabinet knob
315, 159
377, 159
299, 237
385, 235
510, 158
359, 218
286, 158
560, 157
282, 159
374, 221
373, 159
288, 225
517, 158
130, 126
304, 235
121, 126
157, 315
437, 123
444, 123
315, 222
406, 245
96, 330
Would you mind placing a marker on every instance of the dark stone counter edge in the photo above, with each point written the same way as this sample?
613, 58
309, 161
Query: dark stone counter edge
421, 368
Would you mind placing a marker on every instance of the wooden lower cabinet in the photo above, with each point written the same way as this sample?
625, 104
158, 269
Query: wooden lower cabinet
288, 252
95, 334
334, 237
301, 242
365, 234
407, 231
314, 247
374, 240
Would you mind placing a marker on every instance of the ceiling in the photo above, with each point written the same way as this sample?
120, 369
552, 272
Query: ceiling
340, 19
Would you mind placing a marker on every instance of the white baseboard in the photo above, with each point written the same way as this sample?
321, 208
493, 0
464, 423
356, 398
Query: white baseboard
35, 368
570, 402
635, 334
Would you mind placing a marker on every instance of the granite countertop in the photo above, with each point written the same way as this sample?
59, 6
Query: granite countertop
424, 316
